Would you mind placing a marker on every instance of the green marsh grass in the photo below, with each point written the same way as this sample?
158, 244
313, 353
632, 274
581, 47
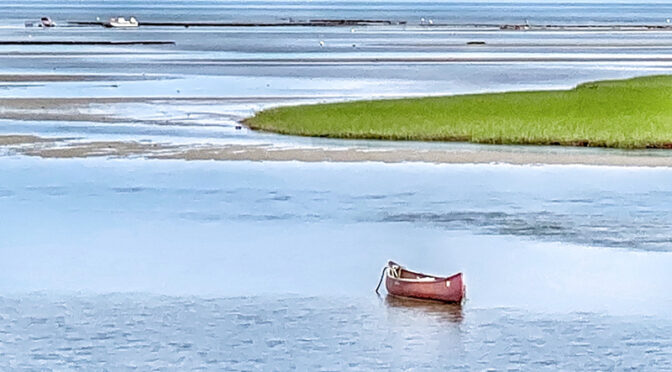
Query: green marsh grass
633, 113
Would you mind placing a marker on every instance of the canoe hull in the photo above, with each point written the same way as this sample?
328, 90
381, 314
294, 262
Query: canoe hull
416, 285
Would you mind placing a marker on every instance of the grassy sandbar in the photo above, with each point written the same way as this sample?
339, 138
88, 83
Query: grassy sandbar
633, 113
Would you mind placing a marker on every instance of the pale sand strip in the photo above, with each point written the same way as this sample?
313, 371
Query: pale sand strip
62, 148
50, 78
75, 109
21, 140
408, 155
79, 109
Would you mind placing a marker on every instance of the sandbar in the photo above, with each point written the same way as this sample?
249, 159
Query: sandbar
66, 149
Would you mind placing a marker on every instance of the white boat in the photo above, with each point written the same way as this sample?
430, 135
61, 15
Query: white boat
46, 22
122, 22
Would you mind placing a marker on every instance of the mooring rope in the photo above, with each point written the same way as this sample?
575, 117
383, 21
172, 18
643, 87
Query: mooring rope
381, 278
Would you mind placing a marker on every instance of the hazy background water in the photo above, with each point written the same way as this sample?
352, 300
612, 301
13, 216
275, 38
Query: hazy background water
124, 264
458, 12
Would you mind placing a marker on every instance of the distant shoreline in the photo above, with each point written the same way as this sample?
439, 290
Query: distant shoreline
340, 22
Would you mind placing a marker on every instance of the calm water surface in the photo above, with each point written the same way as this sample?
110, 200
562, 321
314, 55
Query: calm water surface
272, 265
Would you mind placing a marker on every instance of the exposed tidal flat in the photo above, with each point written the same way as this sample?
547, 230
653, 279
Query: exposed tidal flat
200, 128
185, 100
47, 147
622, 114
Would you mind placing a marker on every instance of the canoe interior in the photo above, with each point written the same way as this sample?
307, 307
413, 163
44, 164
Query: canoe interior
408, 274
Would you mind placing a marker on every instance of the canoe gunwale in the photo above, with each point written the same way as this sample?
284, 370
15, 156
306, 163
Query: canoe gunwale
437, 279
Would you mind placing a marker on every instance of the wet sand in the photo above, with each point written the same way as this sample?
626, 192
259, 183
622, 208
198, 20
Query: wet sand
48, 109
359, 60
67, 148
409, 155
21, 140
90, 42
78, 109
39, 78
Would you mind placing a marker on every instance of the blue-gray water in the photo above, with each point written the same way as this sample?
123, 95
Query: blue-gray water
247, 265
460, 12
124, 264
128, 332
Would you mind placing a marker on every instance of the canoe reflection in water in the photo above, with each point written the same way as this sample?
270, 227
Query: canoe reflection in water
451, 312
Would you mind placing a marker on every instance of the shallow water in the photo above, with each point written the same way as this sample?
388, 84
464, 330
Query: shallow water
273, 265
597, 12
306, 333
138, 264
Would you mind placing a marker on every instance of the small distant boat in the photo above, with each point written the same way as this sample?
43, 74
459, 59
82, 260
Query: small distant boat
122, 22
46, 22
402, 282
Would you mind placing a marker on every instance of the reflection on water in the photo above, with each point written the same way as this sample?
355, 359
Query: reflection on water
441, 311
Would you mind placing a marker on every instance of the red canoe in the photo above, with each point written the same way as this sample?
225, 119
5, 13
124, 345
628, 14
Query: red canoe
405, 283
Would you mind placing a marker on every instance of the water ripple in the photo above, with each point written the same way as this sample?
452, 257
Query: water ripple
606, 231
121, 331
